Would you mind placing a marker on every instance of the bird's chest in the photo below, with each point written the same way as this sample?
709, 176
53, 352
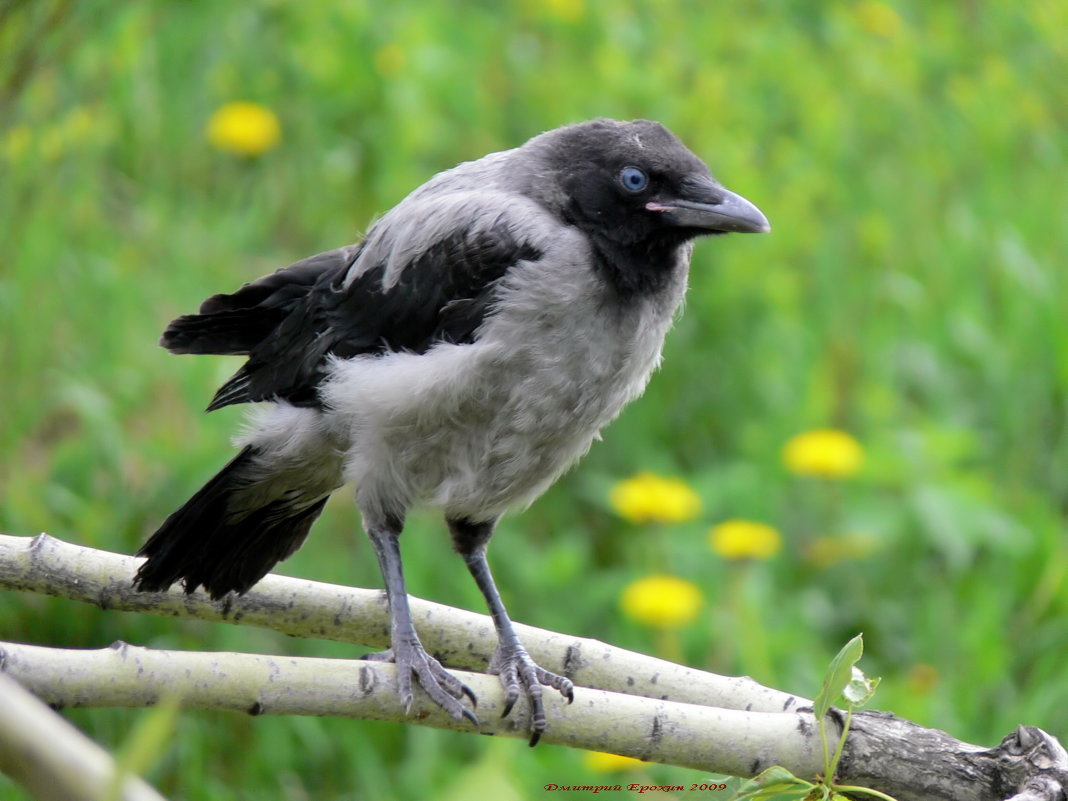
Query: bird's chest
479, 428
552, 374
569, 377
571, 351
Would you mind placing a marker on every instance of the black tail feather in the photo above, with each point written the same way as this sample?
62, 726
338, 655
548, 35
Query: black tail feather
203, 543
233, 332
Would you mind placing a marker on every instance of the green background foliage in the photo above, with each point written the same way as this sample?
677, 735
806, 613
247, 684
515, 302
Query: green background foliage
911, 157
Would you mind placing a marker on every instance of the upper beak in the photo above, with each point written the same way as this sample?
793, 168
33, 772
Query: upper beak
703, 203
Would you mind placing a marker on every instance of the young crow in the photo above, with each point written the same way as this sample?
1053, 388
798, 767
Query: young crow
462, 356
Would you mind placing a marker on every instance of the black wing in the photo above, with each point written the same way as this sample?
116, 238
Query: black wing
234, 324
443, 294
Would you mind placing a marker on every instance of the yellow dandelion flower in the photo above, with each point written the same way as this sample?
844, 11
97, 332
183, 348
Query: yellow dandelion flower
828, 551
78, 126
566, 10
824, 452
244, 129
662, 601
390, 59
16, 142
744, 539
600, 762
649, 498
878, 18
922, 678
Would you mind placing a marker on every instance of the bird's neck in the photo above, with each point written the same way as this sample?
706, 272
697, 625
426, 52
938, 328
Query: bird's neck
642, 269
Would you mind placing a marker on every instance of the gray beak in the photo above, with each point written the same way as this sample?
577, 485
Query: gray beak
703, 203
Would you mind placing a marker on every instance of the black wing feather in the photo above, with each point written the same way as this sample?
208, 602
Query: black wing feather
443, 295
234, 324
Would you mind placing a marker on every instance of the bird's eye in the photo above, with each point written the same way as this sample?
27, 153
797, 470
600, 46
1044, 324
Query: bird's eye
633, 179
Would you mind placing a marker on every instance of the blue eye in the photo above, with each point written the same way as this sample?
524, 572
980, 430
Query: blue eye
633, 179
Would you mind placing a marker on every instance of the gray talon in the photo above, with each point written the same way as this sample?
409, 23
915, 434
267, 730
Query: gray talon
519, 673
442, 687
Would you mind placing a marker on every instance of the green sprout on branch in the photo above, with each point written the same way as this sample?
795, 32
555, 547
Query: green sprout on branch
844, 680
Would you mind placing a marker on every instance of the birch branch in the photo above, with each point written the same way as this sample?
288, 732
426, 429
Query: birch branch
626, 703
885, 753
687, 735
458, 638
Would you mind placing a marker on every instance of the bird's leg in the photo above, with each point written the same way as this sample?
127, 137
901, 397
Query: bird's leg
406, 651
511, 662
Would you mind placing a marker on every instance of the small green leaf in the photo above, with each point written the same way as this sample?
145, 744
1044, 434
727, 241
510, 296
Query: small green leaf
771, 783
839, 672
860, 688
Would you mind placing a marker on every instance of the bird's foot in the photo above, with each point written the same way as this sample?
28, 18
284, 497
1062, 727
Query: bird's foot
444, 689
519, 673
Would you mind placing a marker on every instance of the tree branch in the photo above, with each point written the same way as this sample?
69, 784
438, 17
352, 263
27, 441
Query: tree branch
707, 738
51, 758
300, 608
625, 703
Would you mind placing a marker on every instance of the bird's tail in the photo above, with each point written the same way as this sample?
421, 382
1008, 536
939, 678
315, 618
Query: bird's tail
233, 531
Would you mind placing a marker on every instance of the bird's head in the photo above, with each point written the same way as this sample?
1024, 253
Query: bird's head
634, 186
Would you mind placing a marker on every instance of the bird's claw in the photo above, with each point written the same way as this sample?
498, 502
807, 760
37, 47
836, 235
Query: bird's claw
444, 689
519, 673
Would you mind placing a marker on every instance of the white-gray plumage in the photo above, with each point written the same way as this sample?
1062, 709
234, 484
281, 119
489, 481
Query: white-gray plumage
462, 356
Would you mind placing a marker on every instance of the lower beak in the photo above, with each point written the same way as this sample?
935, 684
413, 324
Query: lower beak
709, 206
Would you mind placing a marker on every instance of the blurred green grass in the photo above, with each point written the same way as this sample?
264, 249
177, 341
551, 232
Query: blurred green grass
910, 156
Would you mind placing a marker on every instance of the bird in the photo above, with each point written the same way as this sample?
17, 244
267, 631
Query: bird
461, 357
